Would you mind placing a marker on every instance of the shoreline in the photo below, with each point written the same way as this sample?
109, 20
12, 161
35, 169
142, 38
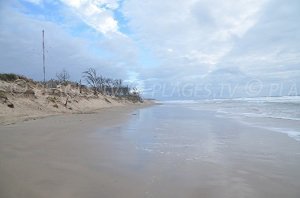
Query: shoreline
13, 119
160, 151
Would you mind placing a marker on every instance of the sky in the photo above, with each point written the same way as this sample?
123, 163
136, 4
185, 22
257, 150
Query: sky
169, 50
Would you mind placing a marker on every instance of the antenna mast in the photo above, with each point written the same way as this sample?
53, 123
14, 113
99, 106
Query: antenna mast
44, 68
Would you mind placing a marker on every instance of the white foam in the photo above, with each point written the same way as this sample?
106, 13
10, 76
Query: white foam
283, 108
291, 133
256, 115
180, 102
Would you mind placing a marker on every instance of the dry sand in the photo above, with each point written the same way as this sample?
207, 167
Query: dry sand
159, 151
31, 101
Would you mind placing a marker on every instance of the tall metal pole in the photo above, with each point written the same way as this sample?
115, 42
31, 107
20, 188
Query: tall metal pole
44, 68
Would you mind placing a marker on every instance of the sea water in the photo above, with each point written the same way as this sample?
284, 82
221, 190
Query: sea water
280, 114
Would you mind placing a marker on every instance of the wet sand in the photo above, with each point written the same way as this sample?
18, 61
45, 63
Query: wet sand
165, 151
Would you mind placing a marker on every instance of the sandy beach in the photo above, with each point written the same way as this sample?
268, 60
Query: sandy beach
158, 151
149, 99
23, 100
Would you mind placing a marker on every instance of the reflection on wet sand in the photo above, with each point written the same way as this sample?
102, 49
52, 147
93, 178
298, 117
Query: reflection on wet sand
164, 151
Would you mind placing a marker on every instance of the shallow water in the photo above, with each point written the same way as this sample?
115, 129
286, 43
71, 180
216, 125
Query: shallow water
279, 114
178, 151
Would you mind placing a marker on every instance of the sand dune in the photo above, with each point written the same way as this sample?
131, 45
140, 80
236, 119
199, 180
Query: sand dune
20, 102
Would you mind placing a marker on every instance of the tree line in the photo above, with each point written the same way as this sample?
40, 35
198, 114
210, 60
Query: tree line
99, 84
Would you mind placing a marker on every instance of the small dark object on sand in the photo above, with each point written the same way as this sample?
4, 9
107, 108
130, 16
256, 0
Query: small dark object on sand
107, 100
10, 105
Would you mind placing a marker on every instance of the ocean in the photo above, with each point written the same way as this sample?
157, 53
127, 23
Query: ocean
279, 114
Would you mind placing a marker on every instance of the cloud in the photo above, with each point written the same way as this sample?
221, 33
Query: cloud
198, 40
34, 1
197, 32
189, 37
272, 45
96, 13
156, 42
21, 47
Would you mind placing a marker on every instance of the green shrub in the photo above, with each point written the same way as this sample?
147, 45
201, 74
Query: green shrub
2, 95
8, 77
52, 99
12, 77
